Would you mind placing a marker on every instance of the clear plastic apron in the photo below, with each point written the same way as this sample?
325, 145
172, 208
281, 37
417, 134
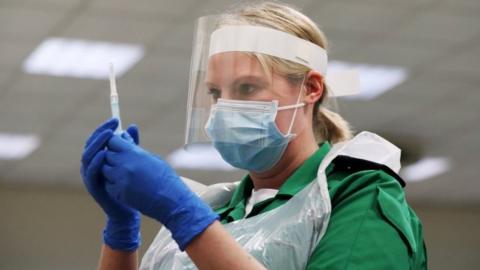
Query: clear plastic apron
285, 237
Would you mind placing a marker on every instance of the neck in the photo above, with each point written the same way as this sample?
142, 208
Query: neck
298, 150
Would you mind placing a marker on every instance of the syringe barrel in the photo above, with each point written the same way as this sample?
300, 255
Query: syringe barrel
116, 113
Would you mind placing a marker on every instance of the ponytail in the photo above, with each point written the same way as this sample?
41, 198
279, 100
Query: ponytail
329, 125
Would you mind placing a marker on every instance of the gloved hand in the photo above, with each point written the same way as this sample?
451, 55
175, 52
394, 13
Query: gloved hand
145, 182
122, 229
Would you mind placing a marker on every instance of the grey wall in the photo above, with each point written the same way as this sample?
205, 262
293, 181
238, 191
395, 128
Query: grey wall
61, 229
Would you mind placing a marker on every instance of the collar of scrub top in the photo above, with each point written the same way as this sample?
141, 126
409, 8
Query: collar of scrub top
305, 174
265, 40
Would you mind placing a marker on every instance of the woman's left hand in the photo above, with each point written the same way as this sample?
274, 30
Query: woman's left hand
145, 182
122, 228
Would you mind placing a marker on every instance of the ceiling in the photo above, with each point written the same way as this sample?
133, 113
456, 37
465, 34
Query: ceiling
434, 113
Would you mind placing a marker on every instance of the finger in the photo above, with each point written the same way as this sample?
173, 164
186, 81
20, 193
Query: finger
95, 166
126, 136
109, 172
113, 190
134, 133
113, 158
117, 144
96, 145
111, 124
111, 186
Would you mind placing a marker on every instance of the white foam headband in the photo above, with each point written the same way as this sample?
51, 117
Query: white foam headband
250, 38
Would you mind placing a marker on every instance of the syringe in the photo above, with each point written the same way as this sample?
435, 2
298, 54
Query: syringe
114, 100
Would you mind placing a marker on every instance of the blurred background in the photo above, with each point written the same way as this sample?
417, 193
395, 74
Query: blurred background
419, 62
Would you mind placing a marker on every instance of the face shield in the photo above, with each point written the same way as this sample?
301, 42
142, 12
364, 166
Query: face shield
234, 68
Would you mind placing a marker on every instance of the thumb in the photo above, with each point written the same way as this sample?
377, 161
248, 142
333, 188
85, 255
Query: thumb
132, 130
113, 188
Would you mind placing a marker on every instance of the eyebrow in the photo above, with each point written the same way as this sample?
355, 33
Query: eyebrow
255, 78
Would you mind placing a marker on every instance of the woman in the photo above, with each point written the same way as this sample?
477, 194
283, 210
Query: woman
314, 197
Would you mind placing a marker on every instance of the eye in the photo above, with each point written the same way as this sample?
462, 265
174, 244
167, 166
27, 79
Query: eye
246, 89
215, 93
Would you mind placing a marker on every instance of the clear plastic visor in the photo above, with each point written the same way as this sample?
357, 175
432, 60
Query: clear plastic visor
223, 82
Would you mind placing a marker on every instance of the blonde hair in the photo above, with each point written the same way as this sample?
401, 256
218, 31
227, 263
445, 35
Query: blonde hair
327, 125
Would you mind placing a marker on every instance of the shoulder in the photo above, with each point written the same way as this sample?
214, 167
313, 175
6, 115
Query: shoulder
371, 225
347, 176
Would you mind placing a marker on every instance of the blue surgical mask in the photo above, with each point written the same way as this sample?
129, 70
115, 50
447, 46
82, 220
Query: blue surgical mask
245, 133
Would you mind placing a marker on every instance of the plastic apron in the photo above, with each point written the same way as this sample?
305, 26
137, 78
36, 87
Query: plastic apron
284, 237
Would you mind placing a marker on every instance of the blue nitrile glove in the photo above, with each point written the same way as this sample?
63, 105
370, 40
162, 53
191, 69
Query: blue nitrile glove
145, 182
122, 229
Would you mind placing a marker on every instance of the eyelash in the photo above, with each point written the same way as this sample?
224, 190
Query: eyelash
251, 88
215, 93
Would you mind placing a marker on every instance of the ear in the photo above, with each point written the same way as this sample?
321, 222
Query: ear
313, 87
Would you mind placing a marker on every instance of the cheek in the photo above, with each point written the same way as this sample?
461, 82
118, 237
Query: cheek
283, 120
286, 94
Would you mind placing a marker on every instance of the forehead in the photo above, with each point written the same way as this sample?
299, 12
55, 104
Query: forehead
227, 65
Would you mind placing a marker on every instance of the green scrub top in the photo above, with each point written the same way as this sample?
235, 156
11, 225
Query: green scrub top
371, 225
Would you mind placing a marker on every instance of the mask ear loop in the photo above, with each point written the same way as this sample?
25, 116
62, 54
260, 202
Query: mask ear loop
296, 106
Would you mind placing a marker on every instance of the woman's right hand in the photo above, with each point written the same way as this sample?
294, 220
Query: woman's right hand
122, 230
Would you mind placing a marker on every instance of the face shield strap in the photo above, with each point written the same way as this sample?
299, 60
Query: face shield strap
265, 40
250, 38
